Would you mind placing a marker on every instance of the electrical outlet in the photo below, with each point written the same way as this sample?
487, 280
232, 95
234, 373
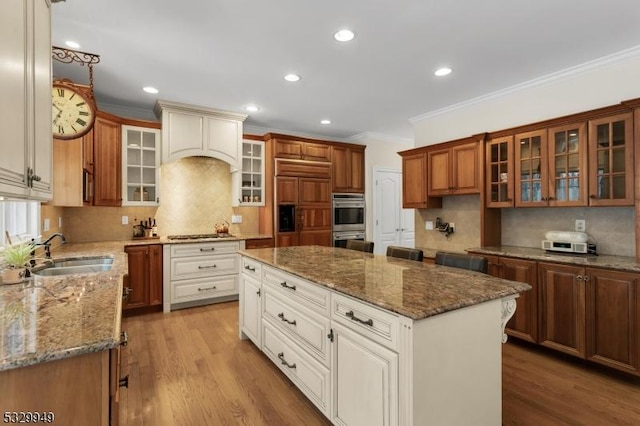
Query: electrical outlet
125, 220
580, 225
46, 225
236, 218
452, 225
428, 225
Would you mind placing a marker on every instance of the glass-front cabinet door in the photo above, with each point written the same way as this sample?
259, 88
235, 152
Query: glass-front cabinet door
531, 182
568, 165
499, 165
252, 186
611, 161
140, 166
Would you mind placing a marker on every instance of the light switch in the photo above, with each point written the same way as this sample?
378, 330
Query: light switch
428, 225
236, 218
125, 220
46, 225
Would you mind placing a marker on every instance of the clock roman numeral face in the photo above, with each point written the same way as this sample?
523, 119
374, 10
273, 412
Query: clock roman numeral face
71, 113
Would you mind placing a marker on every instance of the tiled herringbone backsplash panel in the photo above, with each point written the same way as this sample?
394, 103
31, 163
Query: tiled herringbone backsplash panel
195, 194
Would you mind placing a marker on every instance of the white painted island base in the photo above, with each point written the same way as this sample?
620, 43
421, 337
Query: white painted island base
365, 366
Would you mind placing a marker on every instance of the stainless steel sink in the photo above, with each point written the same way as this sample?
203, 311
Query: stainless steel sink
82, 262
75, 266
68, 270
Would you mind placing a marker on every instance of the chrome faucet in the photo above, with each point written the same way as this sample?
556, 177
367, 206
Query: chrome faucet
47, 246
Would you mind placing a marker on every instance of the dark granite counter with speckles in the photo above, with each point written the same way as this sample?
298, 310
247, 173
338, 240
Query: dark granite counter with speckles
621, 263
412, 289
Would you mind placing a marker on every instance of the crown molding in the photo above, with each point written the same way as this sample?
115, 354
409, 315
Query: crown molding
618, 57
364, 137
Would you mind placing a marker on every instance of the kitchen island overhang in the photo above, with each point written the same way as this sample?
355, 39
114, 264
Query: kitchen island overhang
440, 330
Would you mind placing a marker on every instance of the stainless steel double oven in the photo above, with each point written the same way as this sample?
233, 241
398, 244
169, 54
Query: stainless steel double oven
348, 218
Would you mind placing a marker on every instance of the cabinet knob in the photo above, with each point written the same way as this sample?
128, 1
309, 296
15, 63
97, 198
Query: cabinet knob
586, 278
124, 382
579, 277
593, 197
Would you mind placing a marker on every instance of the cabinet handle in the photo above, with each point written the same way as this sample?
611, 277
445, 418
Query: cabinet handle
330, 335
206, 288
281, 316
249, 268
124, 382
125, 292
208, 249
290, 287
351, 315
551, 198
207, 267
124, 338
579, 277
283, 362
258, 292
586, 278
593, 197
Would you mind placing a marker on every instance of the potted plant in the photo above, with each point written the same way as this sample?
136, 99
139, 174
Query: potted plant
15, 259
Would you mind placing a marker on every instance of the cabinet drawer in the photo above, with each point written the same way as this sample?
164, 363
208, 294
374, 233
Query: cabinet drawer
306, 327
310, 295
312, 378
251, 268
204, 288
204, 266
377, 325
204, 249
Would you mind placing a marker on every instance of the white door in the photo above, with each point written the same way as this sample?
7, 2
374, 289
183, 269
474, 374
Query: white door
393, 225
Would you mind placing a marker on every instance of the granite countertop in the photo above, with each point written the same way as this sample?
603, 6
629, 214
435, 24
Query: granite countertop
621, 263
49, 318
409, 288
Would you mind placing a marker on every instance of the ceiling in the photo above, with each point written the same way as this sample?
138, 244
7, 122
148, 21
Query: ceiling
228, 54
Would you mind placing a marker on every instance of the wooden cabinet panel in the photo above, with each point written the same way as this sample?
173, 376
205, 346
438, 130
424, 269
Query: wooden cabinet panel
259, 243
286, 239
299, 150
87, 152
108, 163
312, 191
524, 323
611, 161
288, 149
67, 172
315, 218
155, 275
567, 164
316, 152
613, 318
138, 292
316, 238
562, 313
453, 170
414, 183
499, 172
348, 169
287, 190
144, 279
531, 169
303, 169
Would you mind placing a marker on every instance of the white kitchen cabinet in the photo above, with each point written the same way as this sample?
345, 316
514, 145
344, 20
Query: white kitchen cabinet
140, 166
251, 301
25, 104
199, 273
198, 131
365, 381
252, 187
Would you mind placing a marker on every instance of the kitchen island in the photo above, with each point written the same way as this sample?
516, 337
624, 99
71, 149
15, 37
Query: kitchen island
372, 340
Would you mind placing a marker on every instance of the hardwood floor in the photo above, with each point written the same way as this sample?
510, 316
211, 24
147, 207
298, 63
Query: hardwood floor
189, 368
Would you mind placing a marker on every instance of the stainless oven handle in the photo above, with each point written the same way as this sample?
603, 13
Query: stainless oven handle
348, 237
347, 204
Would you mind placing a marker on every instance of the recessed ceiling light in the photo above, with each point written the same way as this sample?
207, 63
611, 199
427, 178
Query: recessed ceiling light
150, 89
440, 72
72, 44
292, 77
344, 35
252, 108
325, 121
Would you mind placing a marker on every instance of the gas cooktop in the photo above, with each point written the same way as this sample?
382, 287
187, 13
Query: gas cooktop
198, 236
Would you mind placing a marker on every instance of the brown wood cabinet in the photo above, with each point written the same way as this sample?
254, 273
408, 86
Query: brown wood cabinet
312, 199
258, 243
414, 182
144, 284
524, 323
348, 169
611, 161
299, 150
499, 172
107, 153
562, 308
454, 170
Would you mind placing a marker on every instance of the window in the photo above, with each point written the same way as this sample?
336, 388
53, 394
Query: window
19, 219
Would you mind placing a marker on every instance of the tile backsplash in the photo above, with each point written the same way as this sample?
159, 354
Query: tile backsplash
195, 195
